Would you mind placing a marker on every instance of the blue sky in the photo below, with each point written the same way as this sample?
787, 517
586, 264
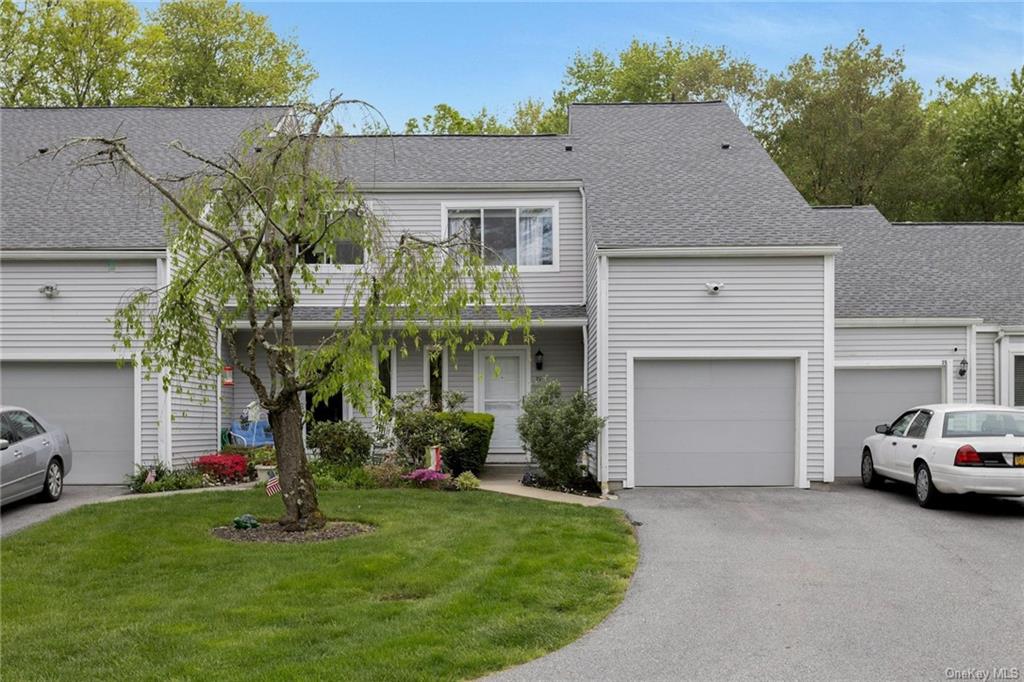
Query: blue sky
404, 58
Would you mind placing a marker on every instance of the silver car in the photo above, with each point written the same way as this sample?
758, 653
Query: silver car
34, 456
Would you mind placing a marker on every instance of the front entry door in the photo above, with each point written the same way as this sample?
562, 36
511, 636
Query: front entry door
503, 392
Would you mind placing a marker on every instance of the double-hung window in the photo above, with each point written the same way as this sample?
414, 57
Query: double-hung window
523, 235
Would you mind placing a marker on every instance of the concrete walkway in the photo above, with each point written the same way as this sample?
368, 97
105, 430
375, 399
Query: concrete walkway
840, 583
504, 478
28, 512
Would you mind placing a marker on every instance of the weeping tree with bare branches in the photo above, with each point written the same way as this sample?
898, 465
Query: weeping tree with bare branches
241, 230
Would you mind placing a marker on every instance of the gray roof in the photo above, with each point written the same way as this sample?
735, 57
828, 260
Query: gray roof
538, 312
654, 174
927, 269
45, 206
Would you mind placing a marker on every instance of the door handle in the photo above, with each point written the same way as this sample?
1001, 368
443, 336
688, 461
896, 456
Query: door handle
18, 454
894, 442
914, 446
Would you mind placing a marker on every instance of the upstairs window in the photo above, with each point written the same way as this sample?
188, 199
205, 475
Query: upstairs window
522, 236
343, 252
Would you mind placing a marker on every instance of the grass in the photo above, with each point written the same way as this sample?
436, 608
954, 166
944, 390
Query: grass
450, 586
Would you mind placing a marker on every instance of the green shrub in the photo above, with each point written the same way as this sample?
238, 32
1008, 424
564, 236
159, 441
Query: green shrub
386, 474
344, 443
556, 430
471, 453
164, 479
419, 426
467, 481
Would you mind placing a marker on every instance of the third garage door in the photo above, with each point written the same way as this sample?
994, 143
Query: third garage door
715, 422
868, 397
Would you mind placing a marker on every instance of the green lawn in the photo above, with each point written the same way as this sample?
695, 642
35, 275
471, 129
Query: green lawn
450, 586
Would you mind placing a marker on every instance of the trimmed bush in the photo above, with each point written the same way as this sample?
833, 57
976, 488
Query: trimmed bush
224, 468
418, 426
466, 481
343, 443
556, 430
471, 453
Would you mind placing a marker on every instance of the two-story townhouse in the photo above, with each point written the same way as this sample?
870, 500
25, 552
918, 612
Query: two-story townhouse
731, 334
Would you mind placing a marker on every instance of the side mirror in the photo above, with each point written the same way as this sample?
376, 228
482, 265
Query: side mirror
4, 444
882, 429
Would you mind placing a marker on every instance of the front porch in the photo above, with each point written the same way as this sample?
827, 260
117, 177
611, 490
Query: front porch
557, 352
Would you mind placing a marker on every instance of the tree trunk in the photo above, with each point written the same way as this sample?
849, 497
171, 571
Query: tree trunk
301, 510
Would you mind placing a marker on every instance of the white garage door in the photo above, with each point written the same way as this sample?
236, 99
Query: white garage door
868, 397
714, 422
92, 401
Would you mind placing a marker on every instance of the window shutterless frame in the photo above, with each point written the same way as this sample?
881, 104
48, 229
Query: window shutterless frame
510, 204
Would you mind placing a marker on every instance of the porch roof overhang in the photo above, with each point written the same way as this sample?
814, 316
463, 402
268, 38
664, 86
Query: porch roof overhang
549, 316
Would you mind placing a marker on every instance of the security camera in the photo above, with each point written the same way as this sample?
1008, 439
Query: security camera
714, 287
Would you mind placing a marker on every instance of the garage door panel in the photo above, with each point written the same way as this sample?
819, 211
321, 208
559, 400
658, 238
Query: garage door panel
715, 422
92, 401
749, 402
866, 397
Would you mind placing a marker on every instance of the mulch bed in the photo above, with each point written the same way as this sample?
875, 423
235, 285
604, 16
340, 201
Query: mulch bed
271, 532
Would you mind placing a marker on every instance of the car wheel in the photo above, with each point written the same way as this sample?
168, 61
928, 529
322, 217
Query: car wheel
868, 476
927, 496
53, 487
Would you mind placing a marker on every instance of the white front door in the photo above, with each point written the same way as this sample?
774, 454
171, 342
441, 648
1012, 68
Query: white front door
502, 386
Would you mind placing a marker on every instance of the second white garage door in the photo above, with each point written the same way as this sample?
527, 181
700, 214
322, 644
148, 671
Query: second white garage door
714, 422
866, 397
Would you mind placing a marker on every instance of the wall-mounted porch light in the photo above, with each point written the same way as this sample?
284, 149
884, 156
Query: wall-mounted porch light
963, 367
538, 360
49, 290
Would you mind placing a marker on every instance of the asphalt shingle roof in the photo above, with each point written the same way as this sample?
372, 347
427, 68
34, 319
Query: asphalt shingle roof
654, 174
927, 270
45, 206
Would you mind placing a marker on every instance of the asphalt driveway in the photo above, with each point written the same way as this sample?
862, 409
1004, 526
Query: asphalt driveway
24, 513
836, 583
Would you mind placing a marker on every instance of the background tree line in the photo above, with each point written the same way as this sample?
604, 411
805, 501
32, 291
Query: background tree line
78, 53
847, 127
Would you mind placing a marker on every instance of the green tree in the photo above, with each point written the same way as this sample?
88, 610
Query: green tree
975, 136
241, 234
97, 52
643, 72
216, 52
446, 120
841, 127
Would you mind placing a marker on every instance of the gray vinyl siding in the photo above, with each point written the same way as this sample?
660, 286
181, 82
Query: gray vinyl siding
78, 318
985, 367
662, 303
421, 214
906, 343
77, 322
194, 420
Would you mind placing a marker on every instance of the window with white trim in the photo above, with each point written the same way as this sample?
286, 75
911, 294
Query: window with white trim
516, 235
1018, 380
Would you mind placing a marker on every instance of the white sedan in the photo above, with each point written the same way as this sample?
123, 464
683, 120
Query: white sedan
951, 449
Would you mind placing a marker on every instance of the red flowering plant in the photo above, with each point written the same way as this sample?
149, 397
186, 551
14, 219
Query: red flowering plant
225, 468
428, 478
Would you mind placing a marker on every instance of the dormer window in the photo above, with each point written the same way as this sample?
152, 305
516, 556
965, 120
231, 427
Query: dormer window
522, 235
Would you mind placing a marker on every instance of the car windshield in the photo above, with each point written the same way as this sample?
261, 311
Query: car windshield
980, 423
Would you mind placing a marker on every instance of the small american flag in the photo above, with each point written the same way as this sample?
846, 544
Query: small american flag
151, 476
273, 485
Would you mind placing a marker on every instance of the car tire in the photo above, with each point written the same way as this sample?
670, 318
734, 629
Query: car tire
924, 489
53, 486
868, 476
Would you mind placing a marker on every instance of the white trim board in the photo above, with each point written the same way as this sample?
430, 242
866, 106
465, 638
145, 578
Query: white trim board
889, 322
800, 479
717, 251
829, 379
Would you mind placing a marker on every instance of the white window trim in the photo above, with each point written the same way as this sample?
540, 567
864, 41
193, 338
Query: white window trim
481, 354
1014, 359
800, 479
513, 204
